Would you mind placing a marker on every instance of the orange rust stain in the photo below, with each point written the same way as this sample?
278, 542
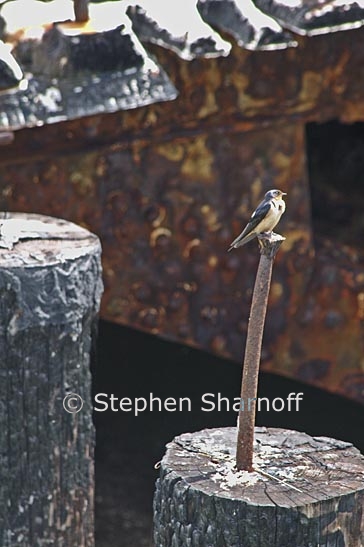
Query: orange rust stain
198, 161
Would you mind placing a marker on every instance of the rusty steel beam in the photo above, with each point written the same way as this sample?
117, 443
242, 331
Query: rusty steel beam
168, 186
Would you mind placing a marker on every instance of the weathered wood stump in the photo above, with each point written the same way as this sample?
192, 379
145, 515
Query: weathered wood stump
305, 492
50, 289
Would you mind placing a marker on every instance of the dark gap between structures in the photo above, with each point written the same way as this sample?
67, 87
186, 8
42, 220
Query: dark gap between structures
133, 364
335, 160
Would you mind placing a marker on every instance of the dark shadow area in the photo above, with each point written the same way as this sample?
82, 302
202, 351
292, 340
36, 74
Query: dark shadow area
132, 364
335, 153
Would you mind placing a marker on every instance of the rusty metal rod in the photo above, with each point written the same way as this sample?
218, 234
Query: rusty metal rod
269, 245
80, 8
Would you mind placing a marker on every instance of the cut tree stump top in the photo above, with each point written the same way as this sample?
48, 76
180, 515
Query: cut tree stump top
304, 492
50, 270
292, 468
28, 239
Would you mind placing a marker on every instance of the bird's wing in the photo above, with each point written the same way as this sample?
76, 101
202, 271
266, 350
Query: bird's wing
259, 214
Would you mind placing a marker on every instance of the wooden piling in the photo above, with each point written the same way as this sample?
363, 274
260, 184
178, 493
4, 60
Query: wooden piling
50, 289
304, 491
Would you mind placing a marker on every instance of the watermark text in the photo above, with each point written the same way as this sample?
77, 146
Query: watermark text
209, 402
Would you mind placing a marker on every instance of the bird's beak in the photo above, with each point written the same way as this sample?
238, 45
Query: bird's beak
284, 193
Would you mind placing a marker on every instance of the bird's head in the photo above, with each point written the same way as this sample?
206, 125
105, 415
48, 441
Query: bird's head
275, 194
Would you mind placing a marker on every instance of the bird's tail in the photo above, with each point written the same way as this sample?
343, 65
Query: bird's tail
239, 241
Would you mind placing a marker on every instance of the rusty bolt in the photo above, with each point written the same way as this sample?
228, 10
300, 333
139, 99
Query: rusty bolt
160, 237
155, 214
190, 248
149, 317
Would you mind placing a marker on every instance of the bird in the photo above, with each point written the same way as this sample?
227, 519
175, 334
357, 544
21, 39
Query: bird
265, 217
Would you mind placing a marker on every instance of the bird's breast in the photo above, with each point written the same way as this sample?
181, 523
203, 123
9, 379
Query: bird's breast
270, 220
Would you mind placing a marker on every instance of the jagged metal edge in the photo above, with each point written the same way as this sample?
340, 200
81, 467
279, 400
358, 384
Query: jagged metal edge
247, 34
149, 30
293, 18
45, 102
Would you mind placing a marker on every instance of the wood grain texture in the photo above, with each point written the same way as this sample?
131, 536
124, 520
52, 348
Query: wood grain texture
50, 291
305, 491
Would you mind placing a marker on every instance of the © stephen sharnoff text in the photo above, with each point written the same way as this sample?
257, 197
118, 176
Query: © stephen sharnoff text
209, 403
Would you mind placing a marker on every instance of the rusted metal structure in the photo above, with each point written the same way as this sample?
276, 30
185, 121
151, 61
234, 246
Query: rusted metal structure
168, 182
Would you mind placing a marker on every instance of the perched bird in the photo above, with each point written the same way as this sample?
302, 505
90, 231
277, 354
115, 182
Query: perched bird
265, 217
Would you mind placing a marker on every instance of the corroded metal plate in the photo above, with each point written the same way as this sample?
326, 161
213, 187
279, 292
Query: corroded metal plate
72, 74
311, 17
251, 28
168, 186
176, 26
43, 101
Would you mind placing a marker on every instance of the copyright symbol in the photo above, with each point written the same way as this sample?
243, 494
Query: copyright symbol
72, 403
